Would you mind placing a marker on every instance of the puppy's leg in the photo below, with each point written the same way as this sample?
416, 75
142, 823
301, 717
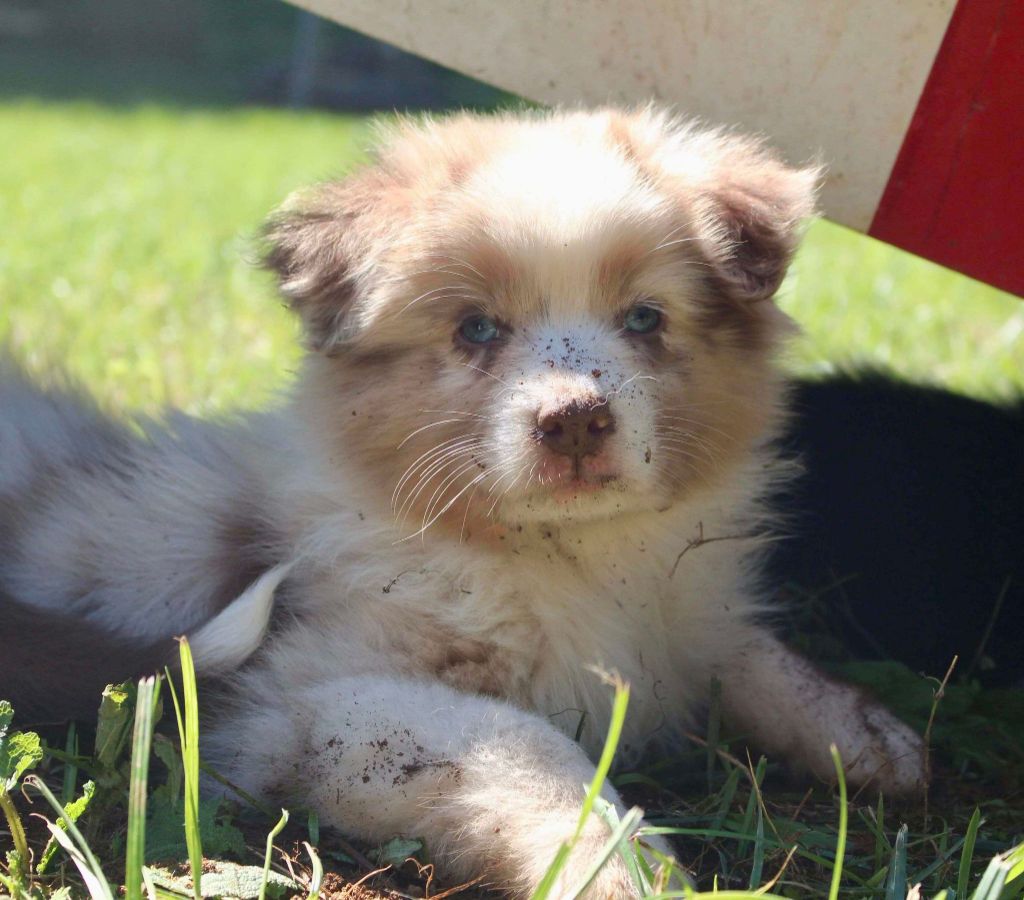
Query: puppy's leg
787, 706
493, 790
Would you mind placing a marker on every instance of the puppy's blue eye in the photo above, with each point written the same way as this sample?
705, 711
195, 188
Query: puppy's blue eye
478, 329
642, 319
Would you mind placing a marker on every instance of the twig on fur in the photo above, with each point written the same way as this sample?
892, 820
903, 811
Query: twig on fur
700, 541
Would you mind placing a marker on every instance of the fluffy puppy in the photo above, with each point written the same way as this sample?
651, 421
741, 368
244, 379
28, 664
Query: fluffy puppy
531, 437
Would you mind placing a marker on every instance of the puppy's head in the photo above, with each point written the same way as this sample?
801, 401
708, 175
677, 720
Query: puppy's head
543, 317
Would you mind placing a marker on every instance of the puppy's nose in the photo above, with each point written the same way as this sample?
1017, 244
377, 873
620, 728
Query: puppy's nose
577, 429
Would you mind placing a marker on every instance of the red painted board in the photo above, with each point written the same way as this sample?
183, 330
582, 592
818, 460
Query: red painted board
956, 192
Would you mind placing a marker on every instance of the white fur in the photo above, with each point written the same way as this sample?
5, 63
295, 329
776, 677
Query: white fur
235, 634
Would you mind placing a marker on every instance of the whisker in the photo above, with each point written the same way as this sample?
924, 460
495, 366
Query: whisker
666, 244
505, 468
413, 434
448, 506
421, 485
636, 376
703, 425
507, 489
489, 375
464, 264
465, 516
688, 437
438, 494
425, 457
428, 454
689, 441
438, 294
461, 412
451, 456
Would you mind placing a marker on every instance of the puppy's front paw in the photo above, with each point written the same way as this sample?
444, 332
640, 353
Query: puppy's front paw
613, 881
883, 752
877, 749
789, 707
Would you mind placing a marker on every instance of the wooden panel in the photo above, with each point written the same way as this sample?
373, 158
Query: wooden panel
956, 194
819, 76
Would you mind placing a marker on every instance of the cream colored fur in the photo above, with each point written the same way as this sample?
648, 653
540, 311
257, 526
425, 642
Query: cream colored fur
453, 582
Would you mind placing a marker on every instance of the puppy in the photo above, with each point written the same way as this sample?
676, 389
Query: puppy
531, 437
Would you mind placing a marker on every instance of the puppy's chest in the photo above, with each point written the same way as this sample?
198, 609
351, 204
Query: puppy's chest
511, 631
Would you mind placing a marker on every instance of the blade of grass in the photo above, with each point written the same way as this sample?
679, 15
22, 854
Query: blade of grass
728, 794
95, 882
967, 854
639, 871
752, 804
1015, 876
547, 883
758, 865
67, 789
274, 832
713, 895
881, 844
146, 703
739, 836
611, 743
70, 838
73, 811
188, 734
147, 880
992, 880
896, 883
837, 867
629, 823
317, 877
936, 864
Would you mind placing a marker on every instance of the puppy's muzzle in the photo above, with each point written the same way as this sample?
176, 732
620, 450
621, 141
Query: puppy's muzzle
576, 429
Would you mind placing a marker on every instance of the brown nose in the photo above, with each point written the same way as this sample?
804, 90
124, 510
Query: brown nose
577, 429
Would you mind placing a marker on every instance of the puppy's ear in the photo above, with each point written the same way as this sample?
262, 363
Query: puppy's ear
746, 206
751, 207
321, 244
329, 245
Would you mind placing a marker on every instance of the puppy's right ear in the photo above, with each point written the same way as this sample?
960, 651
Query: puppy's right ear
321, 245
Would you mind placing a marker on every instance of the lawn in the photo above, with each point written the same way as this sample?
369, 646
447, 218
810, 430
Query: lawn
127, 261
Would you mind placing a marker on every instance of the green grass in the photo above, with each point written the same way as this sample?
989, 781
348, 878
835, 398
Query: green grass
126, 261
860, 301
656, 877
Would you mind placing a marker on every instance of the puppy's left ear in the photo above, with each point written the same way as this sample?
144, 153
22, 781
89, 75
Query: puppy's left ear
751, 208
322, 245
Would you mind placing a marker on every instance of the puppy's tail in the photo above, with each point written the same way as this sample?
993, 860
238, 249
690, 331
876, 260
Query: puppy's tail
235, 633
53, 667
